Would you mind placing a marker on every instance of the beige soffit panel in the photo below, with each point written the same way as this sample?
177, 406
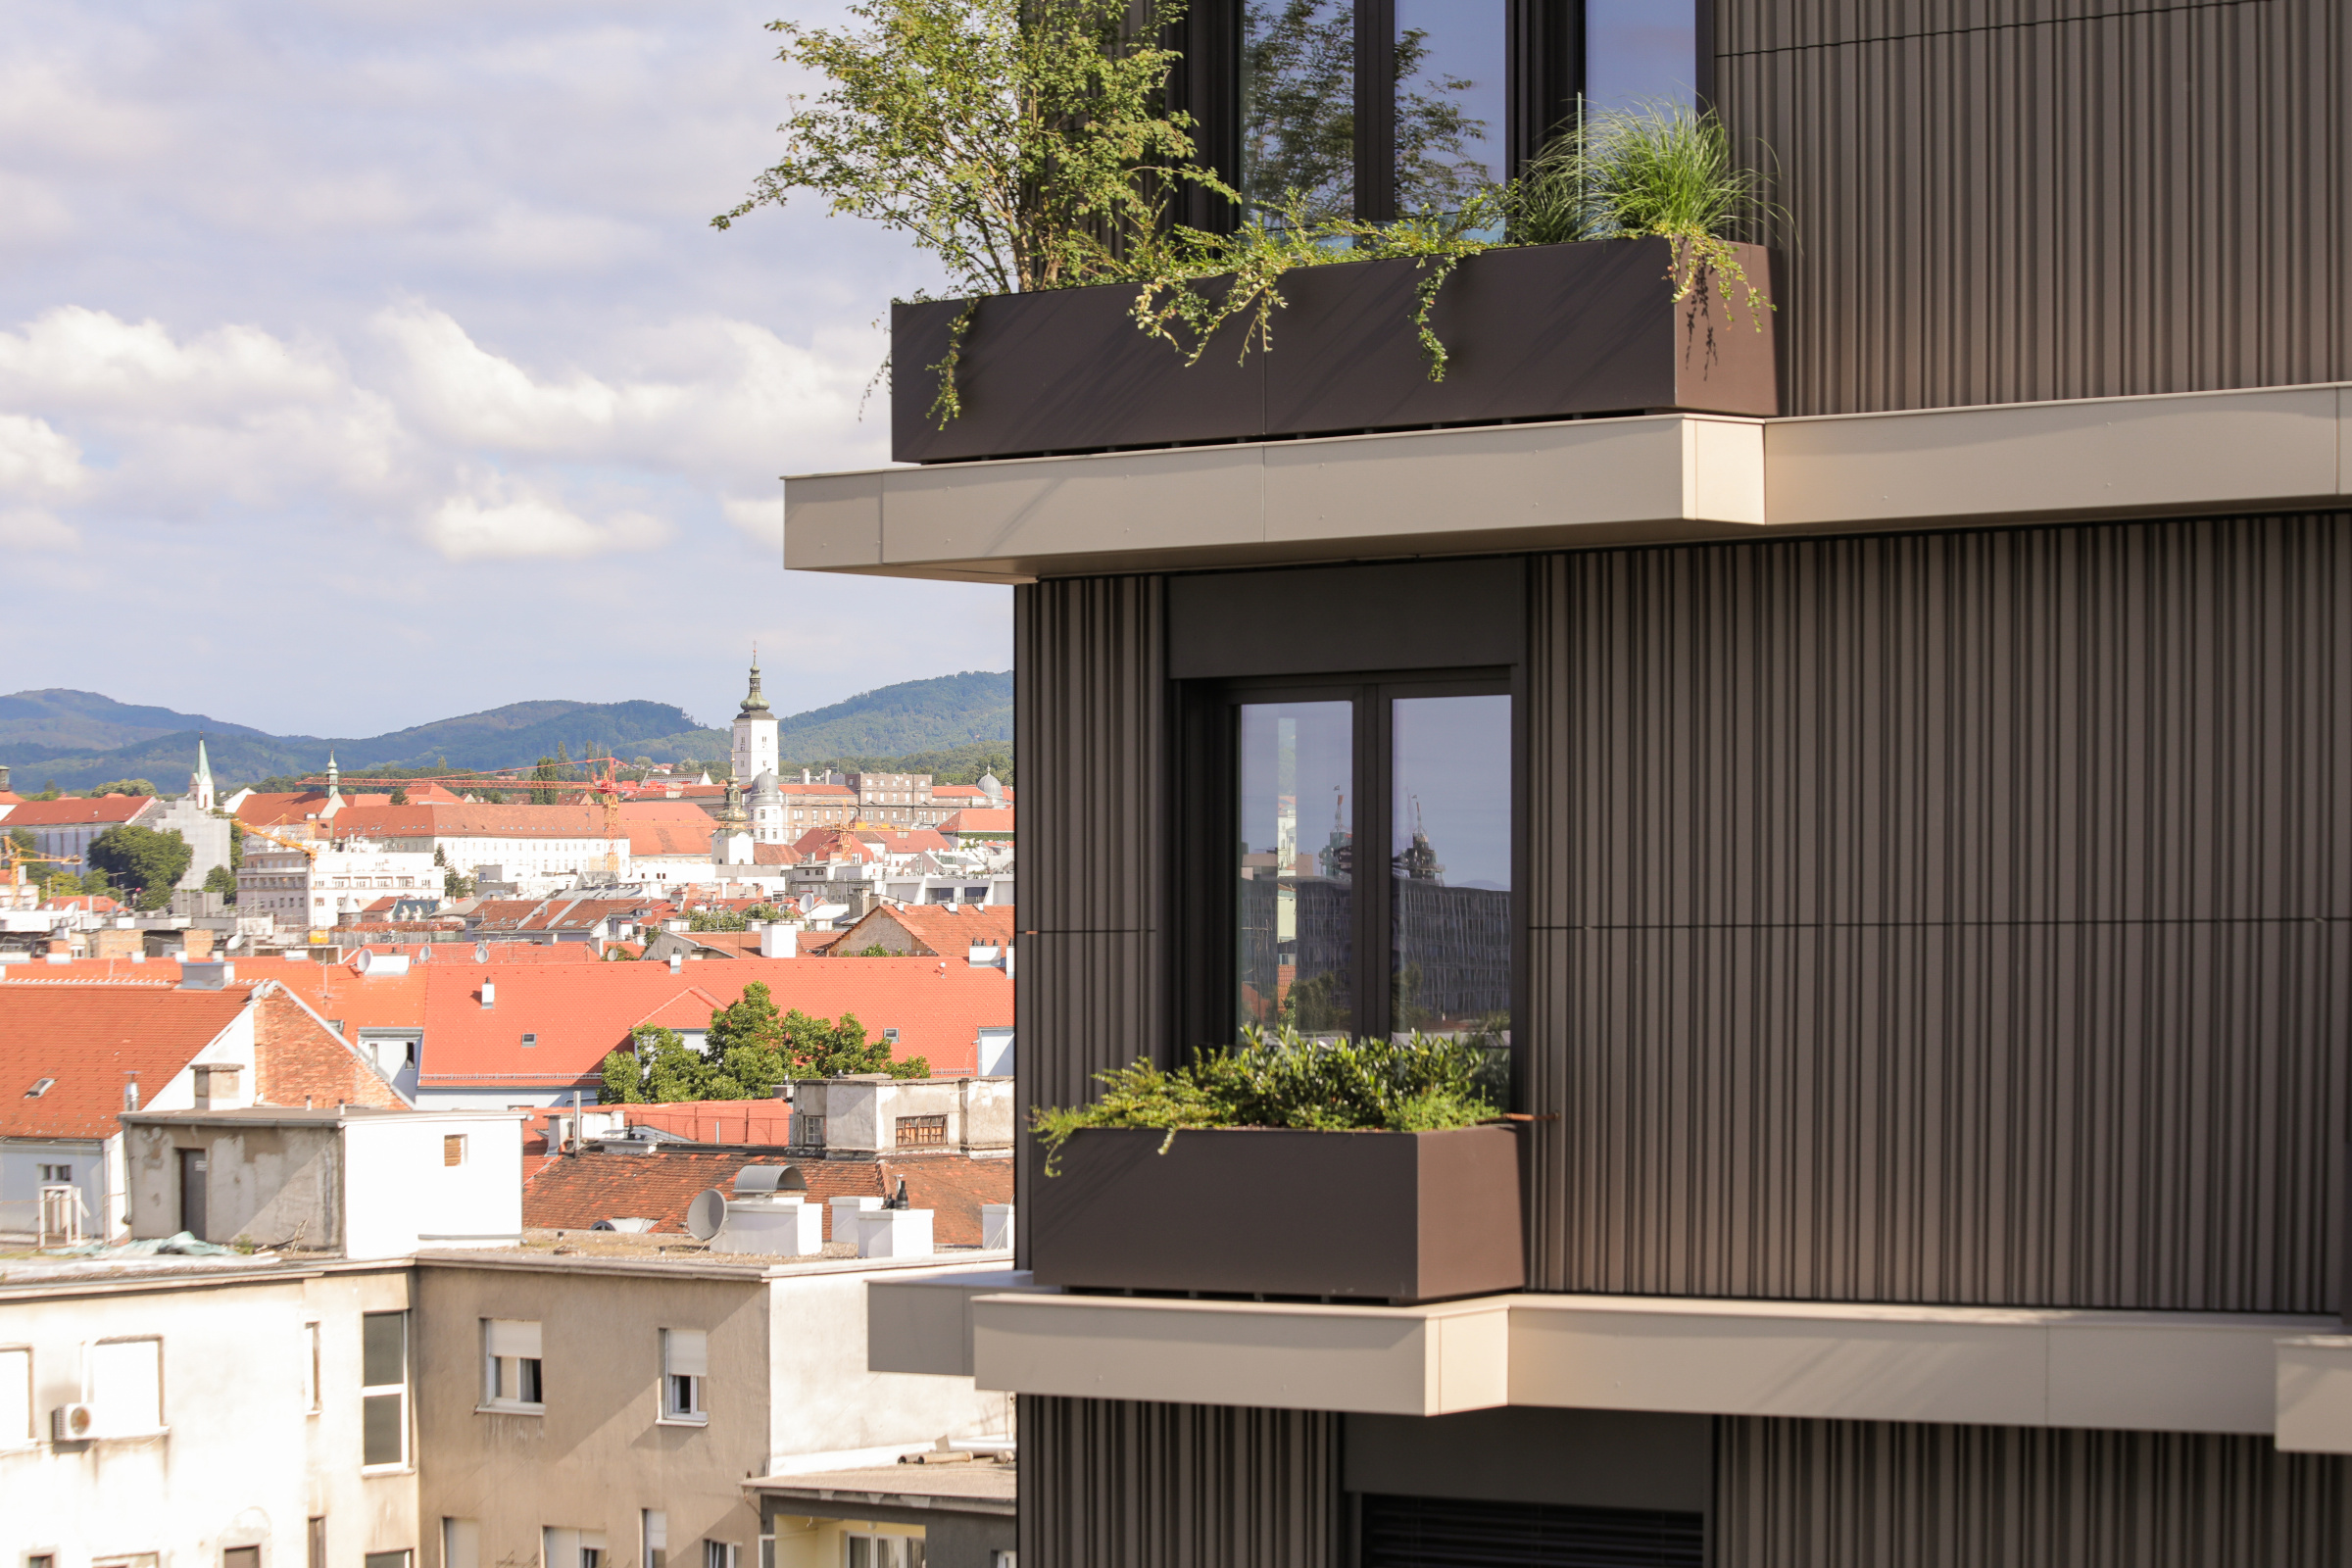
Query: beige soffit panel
2315, 1393
833, 521
925, 1325
2132, 1371
1383, 1360
1191, 499
2172, 453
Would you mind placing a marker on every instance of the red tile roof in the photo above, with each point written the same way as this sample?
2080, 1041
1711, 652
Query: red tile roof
906, 841
691, 839
268, 810
952, 931
578, 1015
764, 854
573, 1191
74, 811
91, 1038
974, 819
470, 822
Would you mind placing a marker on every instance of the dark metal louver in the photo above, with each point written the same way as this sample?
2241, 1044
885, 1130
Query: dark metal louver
1455, 1533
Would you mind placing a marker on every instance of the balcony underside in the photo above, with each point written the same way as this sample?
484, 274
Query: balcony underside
1577, 484
2126, 1371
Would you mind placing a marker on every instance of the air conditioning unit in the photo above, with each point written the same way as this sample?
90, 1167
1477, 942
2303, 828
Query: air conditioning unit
73, 1423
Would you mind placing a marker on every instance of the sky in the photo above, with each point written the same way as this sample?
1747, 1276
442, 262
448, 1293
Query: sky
365, 365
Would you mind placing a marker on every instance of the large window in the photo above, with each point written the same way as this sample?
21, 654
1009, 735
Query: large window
384, 1388
1380, 108
1372, 868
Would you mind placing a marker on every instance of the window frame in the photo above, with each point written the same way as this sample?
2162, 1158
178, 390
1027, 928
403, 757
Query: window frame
493, 1374
694, 1413
1204, 975
382, 1391
1544, 81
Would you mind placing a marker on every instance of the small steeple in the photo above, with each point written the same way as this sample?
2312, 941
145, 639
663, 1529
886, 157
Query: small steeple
335, 781
754, 705
200, 782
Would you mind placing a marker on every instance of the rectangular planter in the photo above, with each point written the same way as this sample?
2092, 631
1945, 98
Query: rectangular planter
1361, 1215
1535, 332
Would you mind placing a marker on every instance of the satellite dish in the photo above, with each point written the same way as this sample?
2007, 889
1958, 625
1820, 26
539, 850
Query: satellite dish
482, 953
365, 960
706, 1213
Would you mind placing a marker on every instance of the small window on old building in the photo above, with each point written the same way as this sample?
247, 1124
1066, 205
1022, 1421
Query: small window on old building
124, 1383
251, 1558
384, 1389
317, 1542
655, 1529
511, 1365
922, 1132
15, 1397
460, 1542
385, 1559
808, 1131
685, 1362
453, 1150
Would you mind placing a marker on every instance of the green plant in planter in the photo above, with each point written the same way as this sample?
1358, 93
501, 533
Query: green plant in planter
1422, 1083
1660, 170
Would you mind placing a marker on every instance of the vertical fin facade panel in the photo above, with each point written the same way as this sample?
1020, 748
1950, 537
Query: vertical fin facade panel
1865, 1495
1961, 918
1110, 1482
1998, 200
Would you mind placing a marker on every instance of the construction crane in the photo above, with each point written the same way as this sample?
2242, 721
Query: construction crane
605, 791
17, 859
308, 848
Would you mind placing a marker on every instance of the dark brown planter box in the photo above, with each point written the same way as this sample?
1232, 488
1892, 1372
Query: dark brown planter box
1535, 332
1363, 1215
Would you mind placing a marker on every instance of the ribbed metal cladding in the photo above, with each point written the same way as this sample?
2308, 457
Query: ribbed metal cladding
1114, 1484
1088, 744
1946, 917
1860, 1494
1995, 201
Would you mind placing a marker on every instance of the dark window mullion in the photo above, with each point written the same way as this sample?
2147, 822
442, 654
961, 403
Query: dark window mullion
1376, 110
1373, 740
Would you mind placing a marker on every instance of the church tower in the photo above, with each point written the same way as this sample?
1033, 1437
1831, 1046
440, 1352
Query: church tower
755, 733
200, 782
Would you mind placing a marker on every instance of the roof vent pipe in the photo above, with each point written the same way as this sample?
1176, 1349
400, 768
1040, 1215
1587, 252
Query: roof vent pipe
489, 993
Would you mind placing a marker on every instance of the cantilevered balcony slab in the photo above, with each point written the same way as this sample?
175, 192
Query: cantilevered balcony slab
1405, 1360
2126, 1371
1650, 479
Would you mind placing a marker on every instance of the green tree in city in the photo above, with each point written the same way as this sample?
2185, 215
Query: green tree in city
222, 880
400, 794
146, 862
60, 883
716, 921
96, 883
123, 786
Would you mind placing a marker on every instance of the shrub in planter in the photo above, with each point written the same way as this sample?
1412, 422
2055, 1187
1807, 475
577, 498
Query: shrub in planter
1362, 1169
1422, 1083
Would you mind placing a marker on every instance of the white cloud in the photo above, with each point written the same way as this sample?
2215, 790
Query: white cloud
505, 528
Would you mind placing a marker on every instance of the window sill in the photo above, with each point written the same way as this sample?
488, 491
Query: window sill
369, 1472
504, 1408
683, 1421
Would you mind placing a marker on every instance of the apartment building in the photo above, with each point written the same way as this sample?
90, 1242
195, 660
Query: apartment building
1904, 794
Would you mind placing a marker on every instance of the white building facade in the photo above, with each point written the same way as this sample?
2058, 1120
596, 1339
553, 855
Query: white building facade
312, 888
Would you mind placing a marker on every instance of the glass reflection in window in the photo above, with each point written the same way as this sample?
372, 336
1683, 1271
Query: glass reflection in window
1450, 101
1295, 891
1299, 106
1451, 866
1641, 52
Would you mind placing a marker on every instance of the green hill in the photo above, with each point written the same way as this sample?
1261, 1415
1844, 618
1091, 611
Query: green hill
81, 738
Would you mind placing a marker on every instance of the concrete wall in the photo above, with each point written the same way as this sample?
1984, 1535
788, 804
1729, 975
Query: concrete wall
862, 1112
244, 1460
207, 836
271, 1185
601, 1453
398, 1190
21, 1163
826, 1401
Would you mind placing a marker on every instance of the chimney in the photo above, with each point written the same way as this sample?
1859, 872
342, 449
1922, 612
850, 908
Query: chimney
489, 993
131, 1093
779, 941
676, 960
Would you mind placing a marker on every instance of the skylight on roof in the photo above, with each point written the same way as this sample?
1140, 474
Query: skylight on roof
40, 1088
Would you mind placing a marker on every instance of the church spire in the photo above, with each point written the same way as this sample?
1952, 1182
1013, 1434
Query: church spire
335, 781
200, 782
754, 705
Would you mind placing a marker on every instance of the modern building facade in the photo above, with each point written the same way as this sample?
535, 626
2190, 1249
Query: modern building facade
1911, 833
